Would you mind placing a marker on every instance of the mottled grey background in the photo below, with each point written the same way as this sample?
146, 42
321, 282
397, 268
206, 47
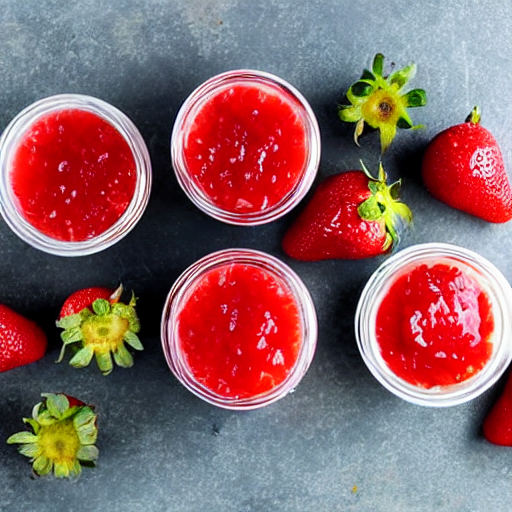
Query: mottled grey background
341, 442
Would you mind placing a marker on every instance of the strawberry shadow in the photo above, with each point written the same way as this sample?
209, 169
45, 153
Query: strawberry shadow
406, 160
337, 342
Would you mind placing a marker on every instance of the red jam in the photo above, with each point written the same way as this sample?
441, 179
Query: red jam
73, 174
434, 326
247, 148
239, 330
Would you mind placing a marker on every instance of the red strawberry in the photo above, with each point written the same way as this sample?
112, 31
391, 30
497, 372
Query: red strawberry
350, 216
98, 325
497, 426
22, 341
84, 298
463, 167
74, 402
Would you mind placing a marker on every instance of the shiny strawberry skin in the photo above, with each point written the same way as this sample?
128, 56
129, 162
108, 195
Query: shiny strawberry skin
463, 167
83, 299
22, 341
497, 427
330, 225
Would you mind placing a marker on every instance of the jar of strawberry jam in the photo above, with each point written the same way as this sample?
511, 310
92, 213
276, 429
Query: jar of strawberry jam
75, 175
433, 324
239, 329
245, 147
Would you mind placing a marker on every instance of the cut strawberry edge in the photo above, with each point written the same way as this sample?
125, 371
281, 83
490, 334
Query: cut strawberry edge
75, 402
84, 298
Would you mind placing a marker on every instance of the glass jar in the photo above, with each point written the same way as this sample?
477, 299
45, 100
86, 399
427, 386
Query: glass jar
288, 190
214, 268
18, 132
489, 279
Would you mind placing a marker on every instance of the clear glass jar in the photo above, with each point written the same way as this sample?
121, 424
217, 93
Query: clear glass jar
488, 277
185, 121
13, 136
189, 281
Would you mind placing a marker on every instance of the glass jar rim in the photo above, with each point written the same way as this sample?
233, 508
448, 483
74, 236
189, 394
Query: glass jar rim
191, 105
9, 142
190, 278
501, 296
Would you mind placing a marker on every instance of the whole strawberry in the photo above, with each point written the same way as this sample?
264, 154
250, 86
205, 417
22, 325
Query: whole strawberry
98, 325
64, 433
497, 427
350, 216
463, 167
22, 341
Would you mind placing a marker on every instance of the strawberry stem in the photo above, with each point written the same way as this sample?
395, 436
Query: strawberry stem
474, 116
384, 204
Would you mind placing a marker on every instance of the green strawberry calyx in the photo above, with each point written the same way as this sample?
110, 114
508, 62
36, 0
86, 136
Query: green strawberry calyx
474, 116
63, 437
380, 102
102, 333
384, 204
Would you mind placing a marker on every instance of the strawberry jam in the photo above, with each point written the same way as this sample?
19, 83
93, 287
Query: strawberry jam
73, 174
239, 330
246, 148
434, 326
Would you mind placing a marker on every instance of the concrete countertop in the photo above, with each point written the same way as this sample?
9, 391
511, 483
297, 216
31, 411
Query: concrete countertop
341, 442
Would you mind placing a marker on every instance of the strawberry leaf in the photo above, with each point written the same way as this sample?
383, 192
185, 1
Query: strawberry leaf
57, 404
122, 357
70, 321
394, 189
84, 416
378, 64
87, 436
402, 76
88, 453
101, 307
415, 98
33, 423
82, 358
29, 450
133, 340
71, 335
361, 89
104, 362
474, 116
370, 209
42, 465
358, 131
387, 134
22, 437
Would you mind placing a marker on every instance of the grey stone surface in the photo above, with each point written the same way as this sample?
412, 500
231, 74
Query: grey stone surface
340, 442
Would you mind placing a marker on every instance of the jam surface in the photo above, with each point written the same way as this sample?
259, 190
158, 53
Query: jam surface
239, 330
73, 174
246, 148
434, 326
